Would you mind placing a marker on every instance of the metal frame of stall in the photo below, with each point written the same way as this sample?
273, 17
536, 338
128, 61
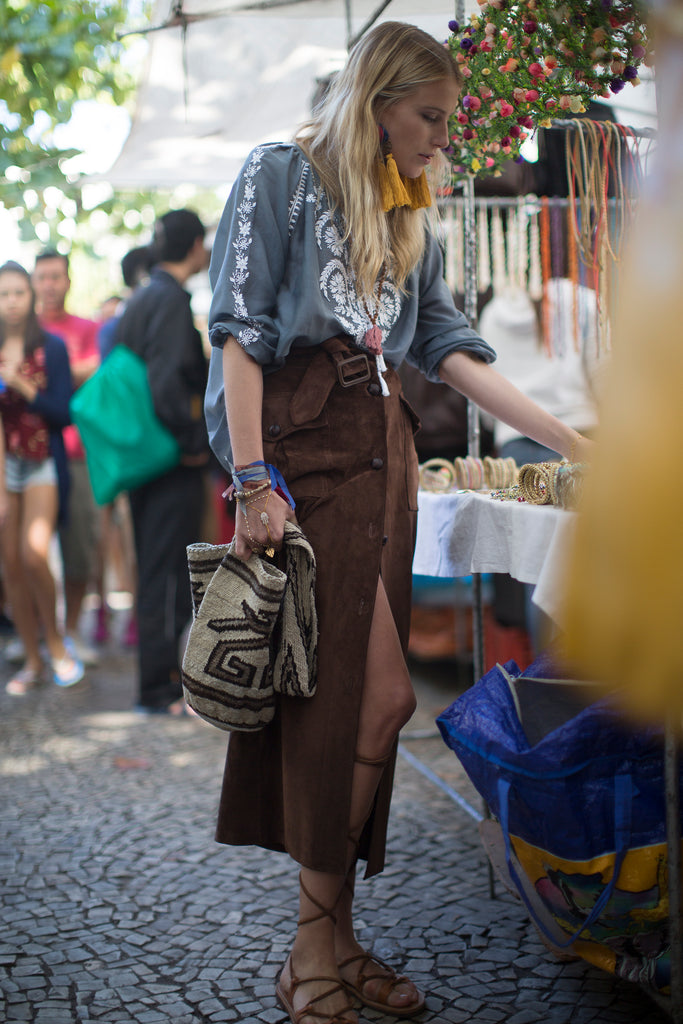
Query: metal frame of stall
672, 750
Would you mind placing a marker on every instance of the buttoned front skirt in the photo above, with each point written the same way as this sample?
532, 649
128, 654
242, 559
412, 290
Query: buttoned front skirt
348, 457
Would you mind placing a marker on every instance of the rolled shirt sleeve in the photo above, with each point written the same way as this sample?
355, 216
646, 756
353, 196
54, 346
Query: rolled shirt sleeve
440, 327
249, 257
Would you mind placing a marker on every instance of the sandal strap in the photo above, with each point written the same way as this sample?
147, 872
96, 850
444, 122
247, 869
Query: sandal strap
307, 1011
389, 978
324, 911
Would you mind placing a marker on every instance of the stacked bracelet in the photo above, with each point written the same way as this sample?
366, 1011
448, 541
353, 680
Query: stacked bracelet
263, 473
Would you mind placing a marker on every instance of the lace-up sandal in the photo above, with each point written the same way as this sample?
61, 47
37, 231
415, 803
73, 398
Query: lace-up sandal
286, 995
390, 981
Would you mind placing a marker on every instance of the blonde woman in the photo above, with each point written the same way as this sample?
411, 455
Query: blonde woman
326, 277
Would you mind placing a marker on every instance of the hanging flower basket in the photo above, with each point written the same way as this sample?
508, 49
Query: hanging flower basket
528, 62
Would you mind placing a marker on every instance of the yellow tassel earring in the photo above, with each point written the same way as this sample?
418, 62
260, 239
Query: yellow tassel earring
395, 188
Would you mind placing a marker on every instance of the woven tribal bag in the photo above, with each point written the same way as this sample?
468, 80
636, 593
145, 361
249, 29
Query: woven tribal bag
296, 635
227, 665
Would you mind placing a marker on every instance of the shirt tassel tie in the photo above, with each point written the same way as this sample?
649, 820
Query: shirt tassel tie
382, 369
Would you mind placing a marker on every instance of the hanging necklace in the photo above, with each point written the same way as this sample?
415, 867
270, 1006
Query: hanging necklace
373, 335
535, 280
484, 256
500, 276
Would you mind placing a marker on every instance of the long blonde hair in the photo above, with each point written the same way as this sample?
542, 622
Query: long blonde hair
342, 142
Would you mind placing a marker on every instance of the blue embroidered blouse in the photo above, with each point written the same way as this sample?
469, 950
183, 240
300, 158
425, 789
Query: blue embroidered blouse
280, 275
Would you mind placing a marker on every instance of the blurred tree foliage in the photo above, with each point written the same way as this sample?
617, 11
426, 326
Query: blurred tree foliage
54, 53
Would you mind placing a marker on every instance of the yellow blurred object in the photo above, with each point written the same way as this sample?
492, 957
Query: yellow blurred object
624, 606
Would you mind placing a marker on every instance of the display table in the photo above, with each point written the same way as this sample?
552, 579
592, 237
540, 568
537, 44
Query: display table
465, 532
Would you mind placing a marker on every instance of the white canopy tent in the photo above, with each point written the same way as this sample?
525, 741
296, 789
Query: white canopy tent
238, 79
242, 76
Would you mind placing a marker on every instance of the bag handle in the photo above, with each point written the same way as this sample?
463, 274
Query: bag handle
623, 789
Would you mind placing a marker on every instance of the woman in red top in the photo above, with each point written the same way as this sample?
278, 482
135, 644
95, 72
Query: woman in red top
35, 387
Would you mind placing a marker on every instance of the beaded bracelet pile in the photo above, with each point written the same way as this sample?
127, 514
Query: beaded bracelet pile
547, 483
468, 473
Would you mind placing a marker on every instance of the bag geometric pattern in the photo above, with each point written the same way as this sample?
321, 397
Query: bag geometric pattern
227, 674
294, 671
254, 632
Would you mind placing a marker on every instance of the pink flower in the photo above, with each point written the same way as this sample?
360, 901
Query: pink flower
550, 63
518, 95
471, 103
506, 108
485, 92
536, 71
463, 118
531, 95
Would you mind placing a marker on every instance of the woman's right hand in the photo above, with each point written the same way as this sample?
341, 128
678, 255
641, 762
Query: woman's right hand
252, 533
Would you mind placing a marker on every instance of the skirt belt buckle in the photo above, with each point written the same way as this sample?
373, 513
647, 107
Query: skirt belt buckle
353, 370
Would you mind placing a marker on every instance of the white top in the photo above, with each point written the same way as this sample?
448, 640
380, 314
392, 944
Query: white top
561, 383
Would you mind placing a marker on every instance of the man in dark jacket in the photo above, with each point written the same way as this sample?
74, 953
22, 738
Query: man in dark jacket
158, 325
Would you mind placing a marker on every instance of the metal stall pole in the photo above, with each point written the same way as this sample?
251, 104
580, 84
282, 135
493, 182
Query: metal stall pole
473, 427
474, 439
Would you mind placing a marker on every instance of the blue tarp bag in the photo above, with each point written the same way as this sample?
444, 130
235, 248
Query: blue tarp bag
580, 798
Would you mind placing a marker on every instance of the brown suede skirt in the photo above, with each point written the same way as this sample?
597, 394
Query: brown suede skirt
348, 457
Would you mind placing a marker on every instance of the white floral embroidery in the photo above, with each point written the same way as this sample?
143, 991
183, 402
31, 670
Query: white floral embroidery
338, 285
336, 278
241, 246
297, 199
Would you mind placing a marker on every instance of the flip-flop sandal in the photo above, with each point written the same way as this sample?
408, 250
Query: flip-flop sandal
23, 682
67, 671
390, 980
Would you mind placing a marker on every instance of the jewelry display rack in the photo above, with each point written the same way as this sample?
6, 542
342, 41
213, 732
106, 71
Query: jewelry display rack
471, 204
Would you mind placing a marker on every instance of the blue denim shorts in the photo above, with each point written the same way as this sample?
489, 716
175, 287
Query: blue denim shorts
20, 473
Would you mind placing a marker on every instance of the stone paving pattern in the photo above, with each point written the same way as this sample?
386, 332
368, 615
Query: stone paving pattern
117, 906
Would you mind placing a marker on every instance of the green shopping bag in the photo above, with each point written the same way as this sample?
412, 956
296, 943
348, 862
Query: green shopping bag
126, 445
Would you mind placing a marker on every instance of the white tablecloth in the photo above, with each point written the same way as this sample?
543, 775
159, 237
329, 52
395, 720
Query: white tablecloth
466, 531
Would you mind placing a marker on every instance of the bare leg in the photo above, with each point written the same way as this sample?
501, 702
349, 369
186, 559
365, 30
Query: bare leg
310, 975
37, 528
387, 704
324, 942
16, 581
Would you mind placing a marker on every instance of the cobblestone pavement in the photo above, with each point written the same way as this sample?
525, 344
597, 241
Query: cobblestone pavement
118, 907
